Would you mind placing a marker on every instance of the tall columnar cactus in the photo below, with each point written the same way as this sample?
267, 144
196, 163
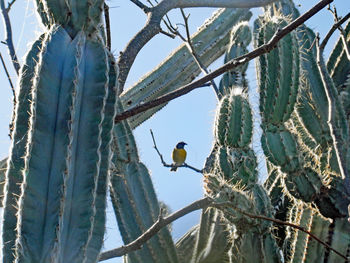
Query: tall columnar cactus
58, 166
233, 179
278, 79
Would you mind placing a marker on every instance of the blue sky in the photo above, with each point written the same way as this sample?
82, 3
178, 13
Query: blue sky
188, 118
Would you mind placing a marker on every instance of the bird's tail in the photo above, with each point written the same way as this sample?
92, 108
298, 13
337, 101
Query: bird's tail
173, 169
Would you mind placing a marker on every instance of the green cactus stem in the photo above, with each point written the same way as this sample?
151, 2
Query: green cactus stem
137, 208
96, 240
15, 164
234, 123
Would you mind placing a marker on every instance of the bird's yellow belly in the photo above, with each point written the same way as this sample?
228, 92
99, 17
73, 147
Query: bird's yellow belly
179, 156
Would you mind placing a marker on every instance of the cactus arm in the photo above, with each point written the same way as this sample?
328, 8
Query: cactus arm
3, 168
338, 64
311, 73
96, 241
85, 137
320, 228
186, 244
134, 199
210, 42
340, 239
338, 125
48, 133
136, 210
40, 8
12, 189
300, 242
86, 15
213, 240
126, 217
56, 10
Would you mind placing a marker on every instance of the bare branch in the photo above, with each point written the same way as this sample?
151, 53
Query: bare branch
171, 165
152, 27
154, 229
224, 3
144, 8
341, 30
226, 67
10, 5
199, 204
8, 32
13, 93
108, 26
331, 31
167, 34
194, 53
9, 78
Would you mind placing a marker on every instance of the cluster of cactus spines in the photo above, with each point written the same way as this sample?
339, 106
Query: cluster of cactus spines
73, 15
239, 40
210, 43
68, 96
134, 200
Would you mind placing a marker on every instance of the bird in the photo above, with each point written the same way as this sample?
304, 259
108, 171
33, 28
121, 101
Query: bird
178, 155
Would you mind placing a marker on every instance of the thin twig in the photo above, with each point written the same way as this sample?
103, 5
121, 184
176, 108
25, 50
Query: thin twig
194, 53
336, 25
108, 26
154, 229
271, 44
14, 96
9, 79
8, 40
9, 5
333, 28
341, 30
171, 165
175, 32
280, 222
167, 34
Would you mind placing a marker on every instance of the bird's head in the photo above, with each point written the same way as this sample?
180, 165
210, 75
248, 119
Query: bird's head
180, 145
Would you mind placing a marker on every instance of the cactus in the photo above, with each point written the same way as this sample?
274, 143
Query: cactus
67, 152
58, 164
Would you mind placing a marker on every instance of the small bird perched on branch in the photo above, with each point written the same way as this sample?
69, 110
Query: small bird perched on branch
178, 155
